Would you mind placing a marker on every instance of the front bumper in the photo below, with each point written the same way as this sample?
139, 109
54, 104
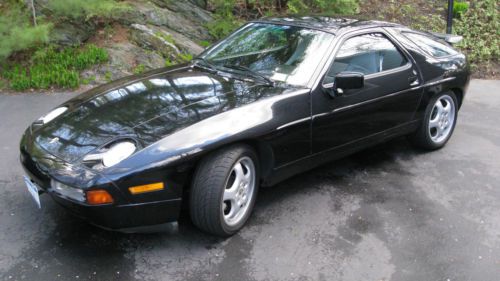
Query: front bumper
41, 167
122, 217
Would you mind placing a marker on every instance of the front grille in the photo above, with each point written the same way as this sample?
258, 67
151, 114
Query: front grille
36, 172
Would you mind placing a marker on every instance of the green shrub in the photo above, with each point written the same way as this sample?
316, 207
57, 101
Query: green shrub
88, 80
323, 6
140, 68
79, 9
204, 43
108, 76
50, 67
229, 12
185, 57
169, 62
16, 31
480, 27
459, 8
222, 26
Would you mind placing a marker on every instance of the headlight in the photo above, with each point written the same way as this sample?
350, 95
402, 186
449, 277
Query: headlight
117, 153
68, 191
113, 155
52, 115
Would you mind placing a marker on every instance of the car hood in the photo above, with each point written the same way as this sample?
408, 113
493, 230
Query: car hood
145, 108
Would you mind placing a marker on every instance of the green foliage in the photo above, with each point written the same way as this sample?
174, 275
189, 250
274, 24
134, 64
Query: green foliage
224, 8
166, 37
86, 9
50, 67
229, 12
480, 27
323, 6
108, 76
140, 68
169, 62
3, 84
204, 43
410, 13
185, 57
16, 31
88, 80
222, 26
459, 8
181, 58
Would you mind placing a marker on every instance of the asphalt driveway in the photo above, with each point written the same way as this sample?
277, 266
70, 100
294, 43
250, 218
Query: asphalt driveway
388, 213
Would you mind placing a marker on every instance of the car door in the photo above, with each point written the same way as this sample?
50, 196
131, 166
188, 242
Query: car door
388, 99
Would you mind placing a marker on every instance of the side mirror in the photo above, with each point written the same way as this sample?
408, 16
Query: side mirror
349, 80
344, 81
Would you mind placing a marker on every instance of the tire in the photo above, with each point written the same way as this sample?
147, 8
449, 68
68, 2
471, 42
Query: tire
223, 180
438, 123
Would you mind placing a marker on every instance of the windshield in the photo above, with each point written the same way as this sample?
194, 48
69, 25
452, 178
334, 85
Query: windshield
282, 53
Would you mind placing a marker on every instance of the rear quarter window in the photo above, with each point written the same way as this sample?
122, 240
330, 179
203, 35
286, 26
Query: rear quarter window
430, 45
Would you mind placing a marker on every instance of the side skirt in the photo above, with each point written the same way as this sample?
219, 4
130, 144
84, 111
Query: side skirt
309, 162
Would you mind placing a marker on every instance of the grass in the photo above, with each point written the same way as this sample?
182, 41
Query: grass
54, 68
140, 68
166, 37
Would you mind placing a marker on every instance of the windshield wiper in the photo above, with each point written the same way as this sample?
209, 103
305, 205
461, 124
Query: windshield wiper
206, 64
252, 72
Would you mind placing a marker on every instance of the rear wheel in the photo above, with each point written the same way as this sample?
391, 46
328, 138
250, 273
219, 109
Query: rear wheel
224, 190
438, 123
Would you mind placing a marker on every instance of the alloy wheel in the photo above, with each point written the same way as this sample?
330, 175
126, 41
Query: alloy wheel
239, 191
442, 119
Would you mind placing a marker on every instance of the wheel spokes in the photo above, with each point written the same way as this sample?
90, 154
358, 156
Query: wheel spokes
238, 169
439, 108
230, 194
447, 108
434, 123
235, 208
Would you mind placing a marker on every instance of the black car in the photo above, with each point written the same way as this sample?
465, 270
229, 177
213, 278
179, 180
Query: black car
276, 97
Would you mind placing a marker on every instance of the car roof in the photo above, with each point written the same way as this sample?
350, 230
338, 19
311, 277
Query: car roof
326, 23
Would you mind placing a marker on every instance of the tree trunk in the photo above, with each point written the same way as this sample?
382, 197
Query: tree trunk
34, 12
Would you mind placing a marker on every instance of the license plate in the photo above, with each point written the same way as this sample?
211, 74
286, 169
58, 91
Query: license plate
33, 189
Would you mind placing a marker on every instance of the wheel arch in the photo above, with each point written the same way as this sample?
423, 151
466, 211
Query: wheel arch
459, 94
263, 150
264, 153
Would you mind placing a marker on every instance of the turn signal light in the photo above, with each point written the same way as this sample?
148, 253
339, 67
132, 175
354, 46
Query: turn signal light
98, 197
146, 188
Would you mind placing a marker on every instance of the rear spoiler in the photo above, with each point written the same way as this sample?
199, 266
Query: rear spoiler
450, 38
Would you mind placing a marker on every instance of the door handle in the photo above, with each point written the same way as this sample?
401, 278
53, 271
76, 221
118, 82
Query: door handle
413, 80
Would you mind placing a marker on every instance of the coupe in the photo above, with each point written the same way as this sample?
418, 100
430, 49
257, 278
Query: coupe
276, 97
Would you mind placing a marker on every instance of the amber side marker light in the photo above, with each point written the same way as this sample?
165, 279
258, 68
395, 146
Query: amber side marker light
98, 197
146, 188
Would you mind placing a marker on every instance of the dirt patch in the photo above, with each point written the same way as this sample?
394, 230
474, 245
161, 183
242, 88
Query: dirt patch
110, 34
487, 71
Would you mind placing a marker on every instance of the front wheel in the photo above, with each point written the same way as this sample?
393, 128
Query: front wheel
438, 123
224, 190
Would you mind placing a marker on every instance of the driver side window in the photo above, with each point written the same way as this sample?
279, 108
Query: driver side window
367, 54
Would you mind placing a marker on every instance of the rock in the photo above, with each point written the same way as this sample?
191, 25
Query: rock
187, 9
167, 42
200, 3
71, 34
183, 42
181, 21
123, 59
154, 39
